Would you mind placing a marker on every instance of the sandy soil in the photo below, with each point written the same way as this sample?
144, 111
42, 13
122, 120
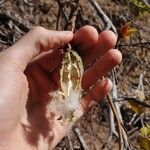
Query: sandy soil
94, 126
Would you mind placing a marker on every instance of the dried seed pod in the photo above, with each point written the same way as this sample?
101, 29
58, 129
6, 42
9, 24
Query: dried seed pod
71, 73
67, 100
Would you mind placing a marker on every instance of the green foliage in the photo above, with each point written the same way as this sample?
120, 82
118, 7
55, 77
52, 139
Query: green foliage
144, 143
138, 7
144, 139
145, 131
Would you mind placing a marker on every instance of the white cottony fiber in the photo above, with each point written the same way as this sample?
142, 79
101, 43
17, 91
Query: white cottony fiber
67, 105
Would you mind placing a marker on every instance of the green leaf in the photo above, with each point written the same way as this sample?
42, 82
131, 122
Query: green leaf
145, 131
137, 7
144, 139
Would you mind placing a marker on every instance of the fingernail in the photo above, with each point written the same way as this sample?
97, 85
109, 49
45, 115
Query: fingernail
105, 80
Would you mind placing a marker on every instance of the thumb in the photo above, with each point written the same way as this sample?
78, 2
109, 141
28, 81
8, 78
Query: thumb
35, 41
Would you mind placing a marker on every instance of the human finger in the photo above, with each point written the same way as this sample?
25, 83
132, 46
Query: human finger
84, 38
34, 42
106, 41
99, 90
90, 46
101, 68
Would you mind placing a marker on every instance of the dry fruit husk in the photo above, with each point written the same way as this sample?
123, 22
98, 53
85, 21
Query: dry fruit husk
67, 99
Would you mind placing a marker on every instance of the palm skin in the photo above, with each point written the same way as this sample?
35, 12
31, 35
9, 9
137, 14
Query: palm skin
28, 76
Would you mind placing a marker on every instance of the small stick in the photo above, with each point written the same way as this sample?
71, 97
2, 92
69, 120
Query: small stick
146, 3
133, 131
58, 18
115, 94
105, 17
112, 125
140, 85
78, 133
135, 44
61, 9
117, 121
134, 99
21, 26
133, 119
2, 1
69, 143
72, 20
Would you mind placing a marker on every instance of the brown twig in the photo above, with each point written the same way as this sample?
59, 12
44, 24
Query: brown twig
109, 24
124, 143
73, 16
71, 20
78, 133
61, 9
5, 40
135, 44
58, 18
69, 142
134, 99
146, 3
5, 17
29, 3
117, 120
2, 1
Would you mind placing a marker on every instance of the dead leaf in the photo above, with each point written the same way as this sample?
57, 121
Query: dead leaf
126, 30
135, 107
144, 143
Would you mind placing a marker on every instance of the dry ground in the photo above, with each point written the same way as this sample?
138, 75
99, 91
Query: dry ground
94, 126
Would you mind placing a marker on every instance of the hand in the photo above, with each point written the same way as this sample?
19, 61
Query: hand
29, 71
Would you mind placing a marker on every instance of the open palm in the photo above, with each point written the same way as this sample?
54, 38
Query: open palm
28, 74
